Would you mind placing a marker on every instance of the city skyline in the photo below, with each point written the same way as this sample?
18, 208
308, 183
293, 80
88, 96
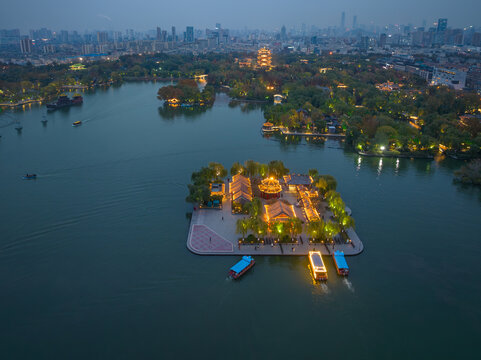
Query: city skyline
146, 15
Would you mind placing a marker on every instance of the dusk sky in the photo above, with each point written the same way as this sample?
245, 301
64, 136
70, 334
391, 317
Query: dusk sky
268, 14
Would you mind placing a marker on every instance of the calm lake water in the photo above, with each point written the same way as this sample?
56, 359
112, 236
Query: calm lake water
93, 262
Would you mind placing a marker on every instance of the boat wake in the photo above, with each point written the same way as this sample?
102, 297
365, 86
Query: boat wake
325, 288
348, 284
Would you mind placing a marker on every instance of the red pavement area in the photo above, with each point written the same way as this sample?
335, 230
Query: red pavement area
205, 240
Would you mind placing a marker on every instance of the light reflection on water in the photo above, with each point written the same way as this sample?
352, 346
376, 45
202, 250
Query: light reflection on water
379, 168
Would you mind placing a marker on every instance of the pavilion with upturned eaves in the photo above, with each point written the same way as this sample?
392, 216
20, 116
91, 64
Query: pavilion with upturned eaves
270, 188
279, 211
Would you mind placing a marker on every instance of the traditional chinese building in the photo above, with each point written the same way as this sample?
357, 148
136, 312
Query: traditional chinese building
264, 58
270, 188
240, 189
279, 211
293, 180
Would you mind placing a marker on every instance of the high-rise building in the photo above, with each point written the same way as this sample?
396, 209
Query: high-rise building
217, 36
283, 33
174, 39
48, 49
354, 22
25, 45
217, 26
343, 21
63, 36
476, 39
364, 43
442, 25
87, 49
9, 37
158, 34
102, 37
189, 34
382, 40
264, 58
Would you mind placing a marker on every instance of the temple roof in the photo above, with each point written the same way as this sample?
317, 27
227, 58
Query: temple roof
279, 211
270, 186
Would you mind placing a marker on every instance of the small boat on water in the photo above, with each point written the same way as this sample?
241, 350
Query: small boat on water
319, 271
340, 262
44, 119
77, 123
241, 267
18, 127
29, 176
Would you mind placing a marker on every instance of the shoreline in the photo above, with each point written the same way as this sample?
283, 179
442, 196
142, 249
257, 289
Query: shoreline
403, 156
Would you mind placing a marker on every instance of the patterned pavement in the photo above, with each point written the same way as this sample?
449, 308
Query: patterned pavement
205, 240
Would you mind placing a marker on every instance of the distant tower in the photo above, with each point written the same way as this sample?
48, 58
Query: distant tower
26, 45
382, 40
158, 33
189, 34
173, 34
264, 58
442, 25
217, 26
283, 33
343, 20
354, 22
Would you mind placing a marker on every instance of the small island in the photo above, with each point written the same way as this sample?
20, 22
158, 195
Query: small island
265, 209
186, 93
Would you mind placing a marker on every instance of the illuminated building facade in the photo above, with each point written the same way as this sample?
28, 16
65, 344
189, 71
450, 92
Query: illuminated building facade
264, 58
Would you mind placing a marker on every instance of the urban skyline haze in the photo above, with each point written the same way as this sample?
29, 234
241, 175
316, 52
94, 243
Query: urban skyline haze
269, 15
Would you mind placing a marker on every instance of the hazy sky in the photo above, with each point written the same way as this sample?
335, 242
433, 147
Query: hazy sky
233, 14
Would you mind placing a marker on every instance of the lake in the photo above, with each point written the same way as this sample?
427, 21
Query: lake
94, 264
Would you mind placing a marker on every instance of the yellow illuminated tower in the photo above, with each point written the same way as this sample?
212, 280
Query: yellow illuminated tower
264, 58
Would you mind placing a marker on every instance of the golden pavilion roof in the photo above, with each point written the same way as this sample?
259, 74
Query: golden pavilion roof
270, 186
279, 211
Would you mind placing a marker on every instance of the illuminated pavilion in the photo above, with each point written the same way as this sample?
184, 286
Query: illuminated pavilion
264, 58
270, 188
279, 211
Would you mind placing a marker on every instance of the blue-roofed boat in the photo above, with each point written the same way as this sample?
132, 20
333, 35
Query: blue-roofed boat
340, 262
29, 176
241, 267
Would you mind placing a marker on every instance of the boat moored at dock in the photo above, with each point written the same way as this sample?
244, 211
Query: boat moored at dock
319, 271
340, 262
241, 267
65, 101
